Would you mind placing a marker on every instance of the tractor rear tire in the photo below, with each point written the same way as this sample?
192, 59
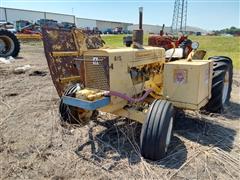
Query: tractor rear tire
9, 44
221, 84
157, 130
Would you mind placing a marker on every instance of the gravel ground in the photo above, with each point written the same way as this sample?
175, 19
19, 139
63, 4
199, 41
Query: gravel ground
33, 144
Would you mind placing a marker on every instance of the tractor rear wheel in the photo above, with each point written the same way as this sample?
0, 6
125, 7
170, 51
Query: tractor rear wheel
221, 84
157, 130
9, 44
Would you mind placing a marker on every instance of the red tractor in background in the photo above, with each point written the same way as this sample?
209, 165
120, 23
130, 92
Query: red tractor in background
169, 41
26, 27
27, 30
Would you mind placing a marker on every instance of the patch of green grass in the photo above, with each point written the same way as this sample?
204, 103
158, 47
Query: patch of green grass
116, 41
214, 45
220, 46
113, 41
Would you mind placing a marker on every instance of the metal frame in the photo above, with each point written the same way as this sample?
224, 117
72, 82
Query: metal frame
84, 104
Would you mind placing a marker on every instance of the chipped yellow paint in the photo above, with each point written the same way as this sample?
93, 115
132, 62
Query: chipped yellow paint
29, 36
69, 79
64, 53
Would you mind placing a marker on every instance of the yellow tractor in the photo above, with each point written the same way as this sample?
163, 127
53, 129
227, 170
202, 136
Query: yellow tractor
138, 82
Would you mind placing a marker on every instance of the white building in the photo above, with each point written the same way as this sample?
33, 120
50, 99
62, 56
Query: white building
149, 29
13, 15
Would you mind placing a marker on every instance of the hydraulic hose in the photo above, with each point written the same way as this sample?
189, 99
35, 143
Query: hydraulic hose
130, 99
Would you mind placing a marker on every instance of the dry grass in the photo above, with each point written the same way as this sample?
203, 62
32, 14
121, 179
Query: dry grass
34, 145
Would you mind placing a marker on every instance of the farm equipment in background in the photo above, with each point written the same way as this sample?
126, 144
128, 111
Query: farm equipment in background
8, 26
28, 31
55, 24
93, 31
68, 25
96, 31
48, 22
118, 30
32, 31
108, 31
136, 82
169, 41
9, 43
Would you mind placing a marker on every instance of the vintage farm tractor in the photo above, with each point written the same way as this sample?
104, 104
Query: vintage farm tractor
169, 42
135, 82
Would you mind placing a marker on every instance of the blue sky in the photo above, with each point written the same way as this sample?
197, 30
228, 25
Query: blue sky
207, 14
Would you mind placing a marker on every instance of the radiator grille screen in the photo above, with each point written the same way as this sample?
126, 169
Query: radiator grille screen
96, 72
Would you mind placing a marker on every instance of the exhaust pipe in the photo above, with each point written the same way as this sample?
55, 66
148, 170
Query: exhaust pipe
138, 34
140, 17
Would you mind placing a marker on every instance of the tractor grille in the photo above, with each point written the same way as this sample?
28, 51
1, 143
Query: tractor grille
96, 72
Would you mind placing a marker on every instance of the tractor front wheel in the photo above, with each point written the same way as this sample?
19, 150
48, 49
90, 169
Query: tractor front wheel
157, 130
221, 84
70, 114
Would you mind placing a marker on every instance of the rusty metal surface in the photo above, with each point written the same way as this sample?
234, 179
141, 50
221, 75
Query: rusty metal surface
199, 54
80, 40
94, 42
85, 42
137, 38
64, 53
56, 40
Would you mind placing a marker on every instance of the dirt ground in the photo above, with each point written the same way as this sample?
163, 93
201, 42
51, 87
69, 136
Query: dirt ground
33, 144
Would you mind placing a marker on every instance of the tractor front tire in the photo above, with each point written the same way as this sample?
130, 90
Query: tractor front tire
70, 114
157, 130
221, 84
9, 44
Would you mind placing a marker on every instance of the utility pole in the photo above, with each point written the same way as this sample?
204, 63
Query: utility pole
179, 20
